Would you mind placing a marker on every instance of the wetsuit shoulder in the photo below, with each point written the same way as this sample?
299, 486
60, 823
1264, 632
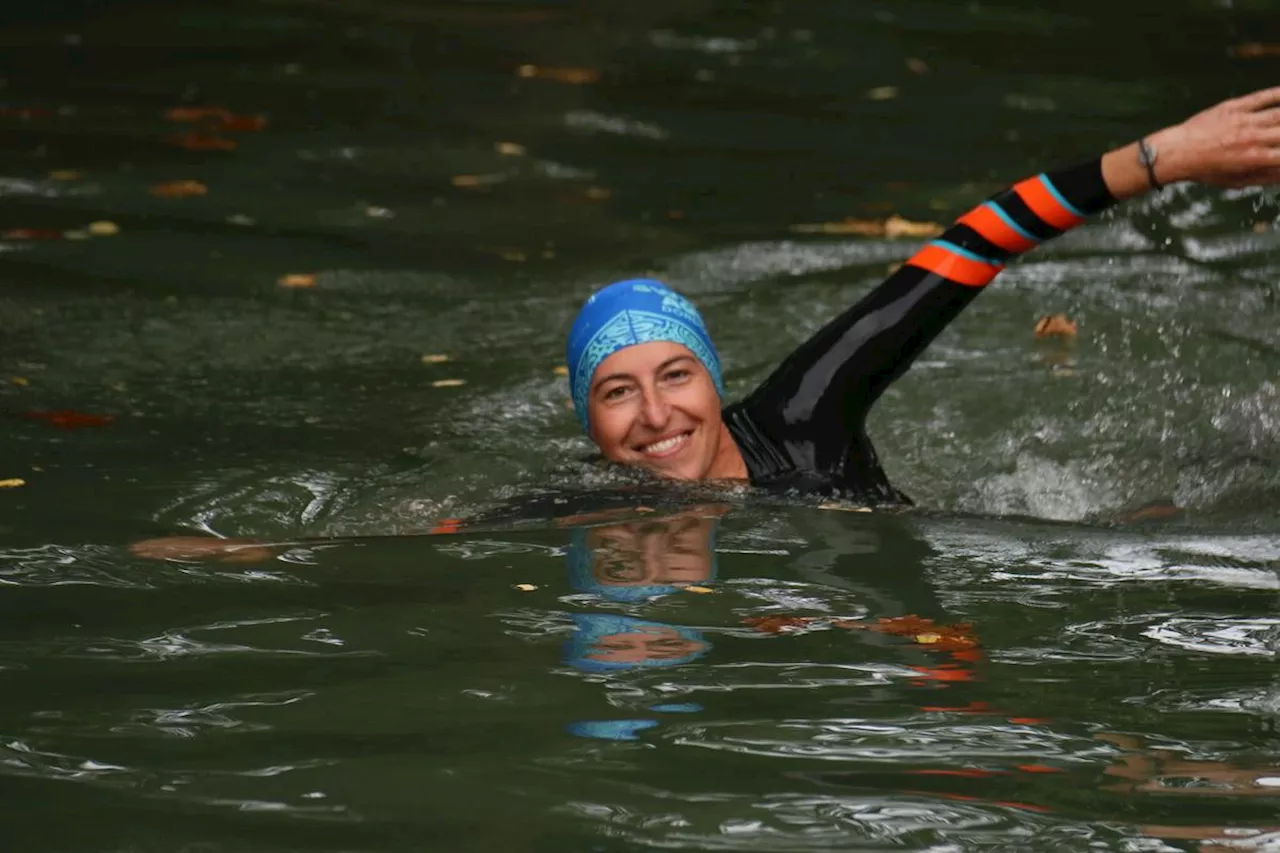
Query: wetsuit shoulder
806, 423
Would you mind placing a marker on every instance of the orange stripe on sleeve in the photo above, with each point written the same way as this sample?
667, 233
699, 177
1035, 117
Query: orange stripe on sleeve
1041, 200
988, 223
948, 264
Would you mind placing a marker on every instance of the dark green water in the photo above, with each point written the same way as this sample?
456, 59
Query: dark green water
1116, 689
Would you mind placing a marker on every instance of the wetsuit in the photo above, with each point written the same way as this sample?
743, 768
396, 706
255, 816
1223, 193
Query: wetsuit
804, 428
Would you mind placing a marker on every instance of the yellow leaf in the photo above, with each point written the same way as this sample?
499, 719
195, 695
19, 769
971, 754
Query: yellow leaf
297, 280
510, 149
928, 638
20, 381
525, 587
12, 483
896, 226
561, 370
435, 359
448, 383
883, 93
703, 590
103, 228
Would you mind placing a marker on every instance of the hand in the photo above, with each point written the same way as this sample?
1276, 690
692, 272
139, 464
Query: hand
1233, 144
201, 548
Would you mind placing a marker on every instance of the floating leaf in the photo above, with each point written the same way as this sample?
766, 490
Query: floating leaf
103, 228
297, 280
179, 189
20, 381
474, 181
24, 112
917, 66
76, 234
510, 149
202, 142
1253, 50
448, 383
67, 418
194, 114
779, 624
862, 227
525, 587
65, 175
843, 507
241, 219
217, 118
12, 483
448, 525
435, 359
896, 226
883, 93
702, 590
1055, 326
243, 124
31, 234
561, 370
574, 76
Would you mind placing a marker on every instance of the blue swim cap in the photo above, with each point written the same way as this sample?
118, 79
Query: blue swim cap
626, 313
591, 628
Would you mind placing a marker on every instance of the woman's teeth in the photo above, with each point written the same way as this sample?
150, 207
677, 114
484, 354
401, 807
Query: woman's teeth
666, 444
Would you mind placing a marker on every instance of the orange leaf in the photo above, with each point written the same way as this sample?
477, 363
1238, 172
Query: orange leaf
777, 624
1039, 768
179, 189
297, 280
67, 418
193, 114
202, 142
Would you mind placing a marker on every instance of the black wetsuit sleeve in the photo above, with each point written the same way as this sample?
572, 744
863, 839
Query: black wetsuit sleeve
810, 413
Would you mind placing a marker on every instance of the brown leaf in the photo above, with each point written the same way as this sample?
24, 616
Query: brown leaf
1055, 326
179, 189
917, 66
202, 142
574, 76
297, 280
1253, 50
510, 149
217, 118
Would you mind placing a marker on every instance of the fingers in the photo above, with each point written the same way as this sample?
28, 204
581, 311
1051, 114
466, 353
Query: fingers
1259, 100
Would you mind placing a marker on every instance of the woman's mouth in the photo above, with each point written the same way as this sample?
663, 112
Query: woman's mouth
667, 446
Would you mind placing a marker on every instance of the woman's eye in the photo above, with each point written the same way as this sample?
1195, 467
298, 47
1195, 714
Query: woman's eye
615, 393
678, 375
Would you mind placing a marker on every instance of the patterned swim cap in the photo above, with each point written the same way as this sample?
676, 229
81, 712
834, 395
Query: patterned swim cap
626, 313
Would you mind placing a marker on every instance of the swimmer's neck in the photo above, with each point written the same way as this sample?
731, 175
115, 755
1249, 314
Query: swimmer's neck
727, 464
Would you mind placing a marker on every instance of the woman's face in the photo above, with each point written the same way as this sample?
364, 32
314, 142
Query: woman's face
654, 405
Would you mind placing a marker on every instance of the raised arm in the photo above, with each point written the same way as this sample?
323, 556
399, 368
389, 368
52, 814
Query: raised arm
833, 378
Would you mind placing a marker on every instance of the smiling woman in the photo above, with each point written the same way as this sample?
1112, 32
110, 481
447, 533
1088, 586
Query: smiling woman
646, 377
